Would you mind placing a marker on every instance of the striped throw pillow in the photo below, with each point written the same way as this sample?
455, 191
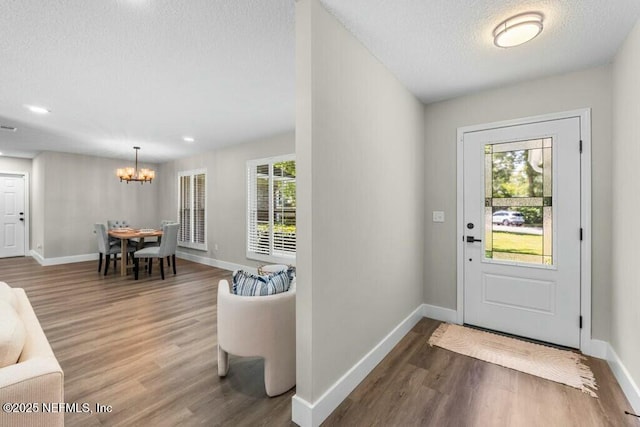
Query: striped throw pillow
248, 284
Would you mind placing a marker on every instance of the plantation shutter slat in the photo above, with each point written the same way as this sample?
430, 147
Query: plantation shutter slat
284, 208
271, 215
185, 209
199, 208
192, 209
259, 238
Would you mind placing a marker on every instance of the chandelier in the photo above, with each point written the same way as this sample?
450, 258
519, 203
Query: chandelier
133, 174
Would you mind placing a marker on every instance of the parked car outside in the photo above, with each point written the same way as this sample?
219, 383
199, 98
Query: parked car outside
508, 218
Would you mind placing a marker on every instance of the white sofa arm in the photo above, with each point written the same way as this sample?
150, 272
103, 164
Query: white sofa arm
36, 378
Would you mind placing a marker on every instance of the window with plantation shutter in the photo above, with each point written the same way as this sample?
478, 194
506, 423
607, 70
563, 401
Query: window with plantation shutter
192, 202
271, 209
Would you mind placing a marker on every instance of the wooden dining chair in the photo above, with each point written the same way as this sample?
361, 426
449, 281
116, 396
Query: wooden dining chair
167, 248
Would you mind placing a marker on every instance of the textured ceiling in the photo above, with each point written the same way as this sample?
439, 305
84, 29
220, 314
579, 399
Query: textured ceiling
442, 49
144, 72
118, 73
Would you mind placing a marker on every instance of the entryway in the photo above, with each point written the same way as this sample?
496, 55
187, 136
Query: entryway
13, 229
522, 227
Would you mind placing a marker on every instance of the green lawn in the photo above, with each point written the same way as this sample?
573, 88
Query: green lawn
528, 244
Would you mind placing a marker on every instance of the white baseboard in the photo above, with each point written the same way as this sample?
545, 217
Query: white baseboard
440, 313
596, 348
627, 384
62, 260
36, 255
180, 254
215, 262
302, 412
306, 414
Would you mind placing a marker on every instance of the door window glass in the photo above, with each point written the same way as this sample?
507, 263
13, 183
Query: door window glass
518, 201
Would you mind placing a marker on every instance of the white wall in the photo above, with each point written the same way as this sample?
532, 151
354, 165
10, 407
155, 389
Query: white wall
360, 151
625, 286
589, 88
72, 192
226, 193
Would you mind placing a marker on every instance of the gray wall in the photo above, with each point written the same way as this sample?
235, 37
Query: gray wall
14, 164
625, 286
590, 88
72, 192
37, 204
226, 193
360, 150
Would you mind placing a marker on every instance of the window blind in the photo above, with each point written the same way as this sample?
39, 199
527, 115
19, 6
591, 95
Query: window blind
192, 209
199, 208
271, 216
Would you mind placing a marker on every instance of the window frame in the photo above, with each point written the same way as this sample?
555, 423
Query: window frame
271, 258
192, 173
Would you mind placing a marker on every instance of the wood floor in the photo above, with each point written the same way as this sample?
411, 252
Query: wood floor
148, 349
419, 385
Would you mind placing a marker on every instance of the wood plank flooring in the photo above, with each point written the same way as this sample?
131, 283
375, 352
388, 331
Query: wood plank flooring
419, 385
148, 348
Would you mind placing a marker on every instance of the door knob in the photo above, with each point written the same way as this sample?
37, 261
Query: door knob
471, 239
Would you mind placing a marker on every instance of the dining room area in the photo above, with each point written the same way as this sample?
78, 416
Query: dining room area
68, 194
119, 240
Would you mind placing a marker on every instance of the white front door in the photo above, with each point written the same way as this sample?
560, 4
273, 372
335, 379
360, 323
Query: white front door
522, 231
12, 228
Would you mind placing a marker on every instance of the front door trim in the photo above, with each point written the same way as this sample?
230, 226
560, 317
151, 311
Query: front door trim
27, 213
585, 210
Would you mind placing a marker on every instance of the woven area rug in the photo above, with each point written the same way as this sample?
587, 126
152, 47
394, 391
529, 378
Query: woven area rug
561, 366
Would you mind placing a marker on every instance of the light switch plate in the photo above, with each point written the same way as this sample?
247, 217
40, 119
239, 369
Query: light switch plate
438, 216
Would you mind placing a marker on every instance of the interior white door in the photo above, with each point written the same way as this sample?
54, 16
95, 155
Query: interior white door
12, 230
522, 234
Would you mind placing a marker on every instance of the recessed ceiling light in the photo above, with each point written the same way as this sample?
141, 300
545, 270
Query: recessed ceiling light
0, 153
37, 109
188, 139
518, 29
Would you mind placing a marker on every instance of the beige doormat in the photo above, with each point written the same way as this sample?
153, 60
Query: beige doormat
561, 366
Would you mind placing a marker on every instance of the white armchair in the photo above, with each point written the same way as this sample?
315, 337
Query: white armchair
259, 326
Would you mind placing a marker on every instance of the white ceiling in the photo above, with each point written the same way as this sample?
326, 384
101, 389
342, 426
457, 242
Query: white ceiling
442, 49
119, 73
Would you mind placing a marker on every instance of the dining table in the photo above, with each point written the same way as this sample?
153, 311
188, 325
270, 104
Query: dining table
124, 234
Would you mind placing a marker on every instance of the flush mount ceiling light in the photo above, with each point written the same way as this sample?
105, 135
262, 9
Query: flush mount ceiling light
37, 109
518, 29
133, 174
188, 139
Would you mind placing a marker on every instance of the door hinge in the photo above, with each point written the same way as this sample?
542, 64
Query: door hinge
580, 146
580, 322
581, 233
